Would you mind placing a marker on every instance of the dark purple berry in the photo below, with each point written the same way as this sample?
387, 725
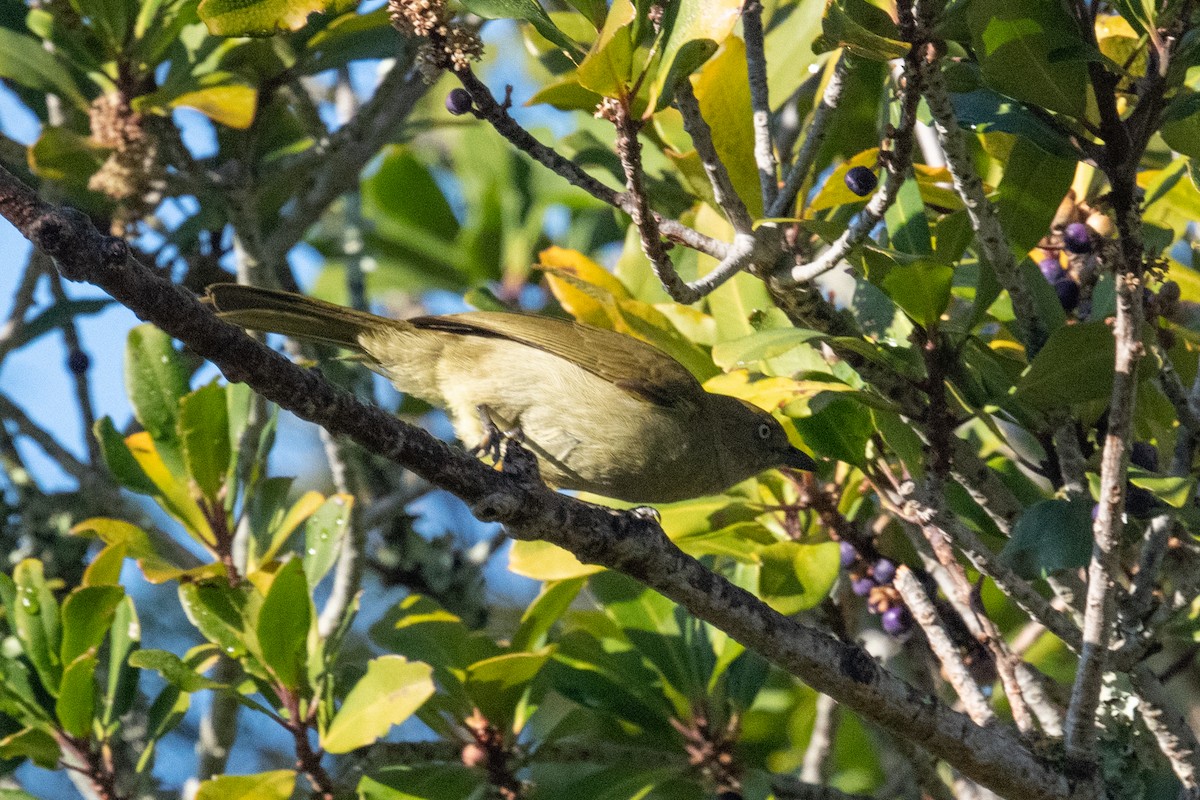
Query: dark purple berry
1052, 271
862, 586
1077, 238
78, 362
849, 554
896, 621
1144, 455
861, 181
1068, 293
458, 101
883, 571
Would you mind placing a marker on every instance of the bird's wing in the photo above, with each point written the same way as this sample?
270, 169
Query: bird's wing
638, 368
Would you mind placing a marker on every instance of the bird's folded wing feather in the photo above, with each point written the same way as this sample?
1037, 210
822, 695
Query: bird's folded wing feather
638, 368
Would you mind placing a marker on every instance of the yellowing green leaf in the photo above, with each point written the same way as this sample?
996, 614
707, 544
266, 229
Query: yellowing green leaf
275, 785
608, 67
543, 561
256, 17
391, 691
696, 29
232, 105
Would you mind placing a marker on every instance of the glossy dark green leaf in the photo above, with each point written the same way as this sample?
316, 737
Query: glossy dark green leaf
87, 614
839, 430
173, 669
1050, 536
547, 608
24, 61
1075, 365
324, 533
155, 380
35, 621
1181, 125
204, 436
497, 685
1172, 490
113, 18
1031, 50
422, 630
283, 624
862, 29
922, 289
531, 12
125, 638
215, 608
33, 743
1033, 186
421, 782
907, 224
76, 703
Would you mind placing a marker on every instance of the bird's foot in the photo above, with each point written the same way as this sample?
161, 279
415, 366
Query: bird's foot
492, 442
519, 461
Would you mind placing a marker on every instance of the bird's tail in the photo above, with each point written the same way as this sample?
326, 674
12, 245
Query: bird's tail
291, 314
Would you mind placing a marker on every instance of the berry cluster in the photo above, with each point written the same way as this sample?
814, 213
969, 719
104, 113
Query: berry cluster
872, 580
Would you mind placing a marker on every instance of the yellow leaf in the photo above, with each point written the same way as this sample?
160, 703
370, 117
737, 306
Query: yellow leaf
543, 561
174, 496
232, 105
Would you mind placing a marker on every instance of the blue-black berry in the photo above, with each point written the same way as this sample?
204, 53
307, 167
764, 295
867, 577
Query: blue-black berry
848, 553
1068, 293
78, 362
883, 571
861, 181
458, 101
1052, 271
1144, 455
1077, 238
896, 621
862, 586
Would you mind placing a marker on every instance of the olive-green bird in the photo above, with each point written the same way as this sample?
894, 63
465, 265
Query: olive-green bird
603, 412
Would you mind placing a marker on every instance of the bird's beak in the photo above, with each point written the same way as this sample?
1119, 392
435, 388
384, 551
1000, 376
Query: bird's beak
798, 459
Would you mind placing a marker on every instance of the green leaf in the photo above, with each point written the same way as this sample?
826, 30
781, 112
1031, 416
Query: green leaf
256, 17
36, 623
497, 684
204, 435
275, 785
1050, 536
864, 30
796, 577
1181, 124
1075, 365
215, 608
433, 782
283, 624
61, 154
532, 13
324, 533
1172, 490
173, 669
839, 430
33, 743
421, 629
122, 688
145, 549
391, 691
1031, 50
155, 380
908, 227
76, 703
922, 289
547, 608
1033, 185
87, 614
24, 61
696, 28
607, 70
121, 463
114, 18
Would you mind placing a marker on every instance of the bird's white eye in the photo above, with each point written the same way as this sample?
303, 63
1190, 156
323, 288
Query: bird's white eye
764, 431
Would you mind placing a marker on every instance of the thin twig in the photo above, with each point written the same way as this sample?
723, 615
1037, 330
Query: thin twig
697, 127
814, 137
953, 668
815, 765
756, 68
23, 300
1171, 731
78, 367
495, 114
896, 168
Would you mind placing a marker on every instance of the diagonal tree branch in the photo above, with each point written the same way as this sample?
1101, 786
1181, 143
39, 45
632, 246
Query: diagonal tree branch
625, 541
